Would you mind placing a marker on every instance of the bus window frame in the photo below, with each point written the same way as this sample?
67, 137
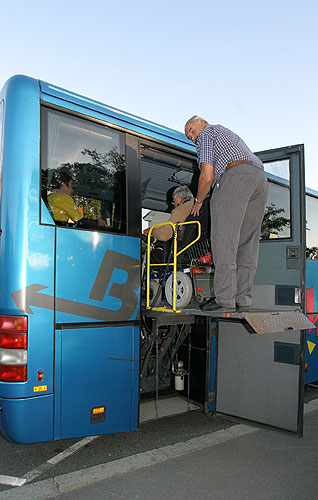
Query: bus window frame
44, 107
313, 196
289, 187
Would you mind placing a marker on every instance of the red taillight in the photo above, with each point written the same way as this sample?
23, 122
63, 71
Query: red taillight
14, 323
13, 340
13, 348
13, 373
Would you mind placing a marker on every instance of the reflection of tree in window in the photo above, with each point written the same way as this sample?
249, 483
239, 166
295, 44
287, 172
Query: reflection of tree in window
273, 223
312, 253
99, 186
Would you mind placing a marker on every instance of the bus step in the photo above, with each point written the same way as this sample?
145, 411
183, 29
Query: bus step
150, 410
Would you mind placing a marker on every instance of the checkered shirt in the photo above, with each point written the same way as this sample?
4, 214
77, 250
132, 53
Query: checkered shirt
219, 147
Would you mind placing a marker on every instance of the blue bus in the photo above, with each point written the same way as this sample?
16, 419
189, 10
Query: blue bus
74, 359
311, 284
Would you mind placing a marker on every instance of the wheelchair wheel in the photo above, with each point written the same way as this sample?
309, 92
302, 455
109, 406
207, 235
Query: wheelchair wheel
183, 289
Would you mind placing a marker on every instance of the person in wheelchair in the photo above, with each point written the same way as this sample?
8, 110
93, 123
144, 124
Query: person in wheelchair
188, 286
183, 201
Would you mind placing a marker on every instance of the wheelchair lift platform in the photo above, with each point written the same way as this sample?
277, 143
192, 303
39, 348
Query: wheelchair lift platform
260, 321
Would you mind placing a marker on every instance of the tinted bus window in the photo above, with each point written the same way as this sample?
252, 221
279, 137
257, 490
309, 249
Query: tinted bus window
276, 222
311, 227
161, 173
93, 156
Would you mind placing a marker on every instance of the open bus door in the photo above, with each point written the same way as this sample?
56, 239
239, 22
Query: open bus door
260, 356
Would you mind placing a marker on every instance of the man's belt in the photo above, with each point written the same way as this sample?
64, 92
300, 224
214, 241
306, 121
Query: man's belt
239, 162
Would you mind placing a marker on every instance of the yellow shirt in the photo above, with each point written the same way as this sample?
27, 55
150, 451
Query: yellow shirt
63, 207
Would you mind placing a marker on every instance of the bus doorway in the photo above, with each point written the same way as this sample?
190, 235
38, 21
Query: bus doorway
246, 370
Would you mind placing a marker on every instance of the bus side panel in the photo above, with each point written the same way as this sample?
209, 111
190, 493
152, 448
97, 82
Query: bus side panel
311, 335
33, 296
20, 185
27, 262
39, 308
27, 420
98, 380
97, 277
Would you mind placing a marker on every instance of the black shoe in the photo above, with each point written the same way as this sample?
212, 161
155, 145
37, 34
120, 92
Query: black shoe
243, 308
214, 306
204, 302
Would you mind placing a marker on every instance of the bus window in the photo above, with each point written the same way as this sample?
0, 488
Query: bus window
311, 227
161, 173
93, 156
276, 222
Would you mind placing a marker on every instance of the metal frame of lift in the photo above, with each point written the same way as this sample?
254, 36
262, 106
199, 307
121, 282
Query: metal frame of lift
176, 254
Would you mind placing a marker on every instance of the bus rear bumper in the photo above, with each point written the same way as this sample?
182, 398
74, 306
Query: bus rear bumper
28, 420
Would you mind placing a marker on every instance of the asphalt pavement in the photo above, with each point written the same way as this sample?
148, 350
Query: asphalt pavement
236, 463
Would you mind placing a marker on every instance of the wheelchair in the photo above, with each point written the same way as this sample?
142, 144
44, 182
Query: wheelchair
195, 269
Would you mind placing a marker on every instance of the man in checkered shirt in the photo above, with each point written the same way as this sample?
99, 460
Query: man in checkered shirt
239, 195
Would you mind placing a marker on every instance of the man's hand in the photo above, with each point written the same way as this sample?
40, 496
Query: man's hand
196, 209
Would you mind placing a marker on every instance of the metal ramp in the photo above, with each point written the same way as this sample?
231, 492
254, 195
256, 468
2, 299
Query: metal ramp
263, 321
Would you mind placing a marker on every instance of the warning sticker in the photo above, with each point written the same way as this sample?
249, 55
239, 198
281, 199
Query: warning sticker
40, 388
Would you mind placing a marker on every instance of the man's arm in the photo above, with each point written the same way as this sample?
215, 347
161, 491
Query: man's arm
178, 214
205, 183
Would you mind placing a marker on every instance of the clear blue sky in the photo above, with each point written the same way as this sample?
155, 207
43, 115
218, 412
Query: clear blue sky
251, 65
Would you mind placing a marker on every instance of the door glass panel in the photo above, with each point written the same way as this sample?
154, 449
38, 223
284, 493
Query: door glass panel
92, 157
276, 222
311, 227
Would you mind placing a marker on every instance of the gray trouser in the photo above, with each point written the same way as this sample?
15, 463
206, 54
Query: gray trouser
237, 209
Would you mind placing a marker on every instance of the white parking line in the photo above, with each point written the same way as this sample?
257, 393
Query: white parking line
12, 481
76, 479
34, 473
72, 449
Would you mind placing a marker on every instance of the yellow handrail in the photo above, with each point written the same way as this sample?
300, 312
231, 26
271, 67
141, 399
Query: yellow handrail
174, 263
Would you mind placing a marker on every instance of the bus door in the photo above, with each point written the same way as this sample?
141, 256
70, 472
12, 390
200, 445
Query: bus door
96, 284
260, 359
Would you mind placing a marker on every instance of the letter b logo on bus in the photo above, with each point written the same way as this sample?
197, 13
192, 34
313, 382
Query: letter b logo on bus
126, 292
